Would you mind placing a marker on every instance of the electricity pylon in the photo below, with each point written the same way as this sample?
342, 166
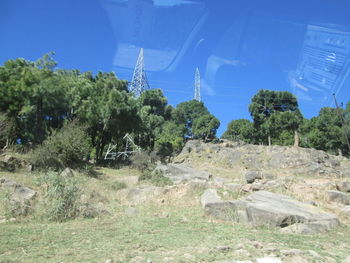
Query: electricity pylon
197, 86
139, 81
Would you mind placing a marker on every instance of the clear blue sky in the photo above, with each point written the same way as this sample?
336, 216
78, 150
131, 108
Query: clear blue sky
239, 46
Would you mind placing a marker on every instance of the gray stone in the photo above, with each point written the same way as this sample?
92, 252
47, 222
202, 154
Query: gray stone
181, 173
67, 173
344, 187
221, 181
346, 210
338, 197
251, 176
214, 206
272, 210
232, 187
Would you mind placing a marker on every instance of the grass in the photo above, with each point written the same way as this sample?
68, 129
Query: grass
174, 231
150, 235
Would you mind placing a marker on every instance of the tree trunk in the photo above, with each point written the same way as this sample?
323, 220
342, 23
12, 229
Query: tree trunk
296, 138
269, 140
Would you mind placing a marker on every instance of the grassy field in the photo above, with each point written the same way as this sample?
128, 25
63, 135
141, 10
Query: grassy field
164, 232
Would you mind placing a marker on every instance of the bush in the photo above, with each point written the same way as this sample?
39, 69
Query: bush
116, 185
144, 161
156, 178
67, 147
62, 197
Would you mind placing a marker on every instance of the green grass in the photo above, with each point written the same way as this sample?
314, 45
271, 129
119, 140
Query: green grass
176, 231
151, 235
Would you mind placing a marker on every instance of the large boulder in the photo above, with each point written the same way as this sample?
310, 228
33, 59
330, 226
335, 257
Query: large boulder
181, 173
268, 209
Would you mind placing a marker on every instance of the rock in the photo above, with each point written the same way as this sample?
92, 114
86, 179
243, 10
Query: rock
347, 259
181, 173
257, 186
272, 210
88, 210
338, 197
251, 176
109, 261
232, 187
149, 260
221, 181
343, 187
268, 260
346, 210
257, 244
214, 206
247, 188
223, 248
11, 163
67, 173
21, 197
295, 259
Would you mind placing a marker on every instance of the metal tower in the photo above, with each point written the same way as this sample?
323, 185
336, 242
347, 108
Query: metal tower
139, 81
197, 86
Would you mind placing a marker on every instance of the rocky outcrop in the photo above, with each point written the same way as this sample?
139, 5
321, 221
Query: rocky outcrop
264, 208
180, 173
266, 158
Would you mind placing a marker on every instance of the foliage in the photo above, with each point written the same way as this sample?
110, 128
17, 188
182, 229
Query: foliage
67, 147
116, 185
156, 178
62, 198
205, 127
241, 130
186, 113
274, 112
144, 161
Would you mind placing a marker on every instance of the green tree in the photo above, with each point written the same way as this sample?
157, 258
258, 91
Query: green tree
241, 129
326, 131
267, 103
187, 113
205, 127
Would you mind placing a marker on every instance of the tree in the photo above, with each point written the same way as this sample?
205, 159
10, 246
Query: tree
325, 132
205, 127
187, 113
267, 103
170, 140
241, 129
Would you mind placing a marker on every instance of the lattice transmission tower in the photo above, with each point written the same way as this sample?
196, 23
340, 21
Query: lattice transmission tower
197, 86
139, 82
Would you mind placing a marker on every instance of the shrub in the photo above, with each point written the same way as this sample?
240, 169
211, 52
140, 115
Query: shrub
156, 178
116, 185
67, 147
144, 161
62, 197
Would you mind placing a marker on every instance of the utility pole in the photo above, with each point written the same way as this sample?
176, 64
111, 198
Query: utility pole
342, 120
139, 81
197, 86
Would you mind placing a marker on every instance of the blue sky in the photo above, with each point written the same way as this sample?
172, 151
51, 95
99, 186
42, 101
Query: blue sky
238, 46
